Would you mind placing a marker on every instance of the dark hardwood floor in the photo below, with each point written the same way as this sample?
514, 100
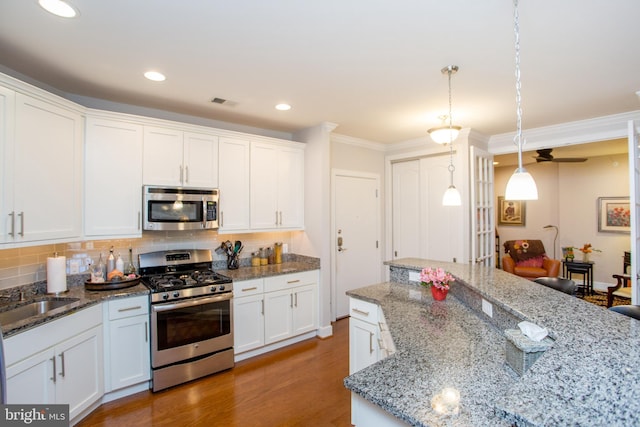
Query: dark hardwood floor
300, 385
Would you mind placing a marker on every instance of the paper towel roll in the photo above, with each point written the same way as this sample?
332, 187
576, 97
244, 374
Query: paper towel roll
56, 274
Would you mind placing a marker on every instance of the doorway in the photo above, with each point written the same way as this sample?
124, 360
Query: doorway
356, 254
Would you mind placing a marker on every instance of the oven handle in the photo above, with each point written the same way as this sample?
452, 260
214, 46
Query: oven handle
192, 302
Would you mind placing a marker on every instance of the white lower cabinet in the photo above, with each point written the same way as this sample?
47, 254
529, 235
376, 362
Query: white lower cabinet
58, 362
272, 310
127, 356
369, 342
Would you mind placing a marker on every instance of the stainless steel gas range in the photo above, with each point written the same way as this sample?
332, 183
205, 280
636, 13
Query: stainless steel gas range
191, 316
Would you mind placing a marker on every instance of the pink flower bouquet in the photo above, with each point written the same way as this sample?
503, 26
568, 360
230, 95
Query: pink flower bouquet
436, 277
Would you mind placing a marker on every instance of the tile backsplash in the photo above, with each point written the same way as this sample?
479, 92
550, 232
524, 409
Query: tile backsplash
26, 265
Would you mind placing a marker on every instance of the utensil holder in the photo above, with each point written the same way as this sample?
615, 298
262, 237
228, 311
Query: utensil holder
233, 261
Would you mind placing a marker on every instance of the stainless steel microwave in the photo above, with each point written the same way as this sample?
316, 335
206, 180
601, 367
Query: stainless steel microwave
178, 208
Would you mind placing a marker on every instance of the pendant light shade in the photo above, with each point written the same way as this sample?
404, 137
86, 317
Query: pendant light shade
521, 185
444, 134
451, 197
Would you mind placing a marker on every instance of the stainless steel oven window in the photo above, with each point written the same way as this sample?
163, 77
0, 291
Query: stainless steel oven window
175, 211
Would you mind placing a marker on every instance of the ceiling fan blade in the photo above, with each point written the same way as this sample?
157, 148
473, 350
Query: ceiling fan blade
570, 160
544, 155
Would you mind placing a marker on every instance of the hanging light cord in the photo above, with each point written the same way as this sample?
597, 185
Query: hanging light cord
518, 137
451, 167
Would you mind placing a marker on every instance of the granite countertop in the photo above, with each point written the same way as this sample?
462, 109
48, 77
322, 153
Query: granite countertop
589, 377
85, 298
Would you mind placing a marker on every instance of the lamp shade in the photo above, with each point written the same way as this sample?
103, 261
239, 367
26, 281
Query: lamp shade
521, 186
444, 134
451, 197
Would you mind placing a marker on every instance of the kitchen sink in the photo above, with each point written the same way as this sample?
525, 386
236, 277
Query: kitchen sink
34, 309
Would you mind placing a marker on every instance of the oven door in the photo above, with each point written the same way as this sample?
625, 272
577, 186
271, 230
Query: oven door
191, 328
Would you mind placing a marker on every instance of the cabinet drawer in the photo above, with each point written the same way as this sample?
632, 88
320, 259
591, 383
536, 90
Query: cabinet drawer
248, 287
127, 307
363, 310
287, 281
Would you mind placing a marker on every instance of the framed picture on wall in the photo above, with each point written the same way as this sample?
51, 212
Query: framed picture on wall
511, 212
614, 215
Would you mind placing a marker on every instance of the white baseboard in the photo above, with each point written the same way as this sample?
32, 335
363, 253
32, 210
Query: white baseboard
325, 331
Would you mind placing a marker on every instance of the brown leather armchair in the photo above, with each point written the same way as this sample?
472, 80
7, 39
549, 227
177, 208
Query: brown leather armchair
527, 258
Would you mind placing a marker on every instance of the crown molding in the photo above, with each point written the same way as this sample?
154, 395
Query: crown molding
357, 142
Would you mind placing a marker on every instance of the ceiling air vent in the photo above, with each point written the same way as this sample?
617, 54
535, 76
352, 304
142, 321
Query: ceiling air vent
218, 100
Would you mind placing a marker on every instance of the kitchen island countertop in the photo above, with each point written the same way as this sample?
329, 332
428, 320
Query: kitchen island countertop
589, 377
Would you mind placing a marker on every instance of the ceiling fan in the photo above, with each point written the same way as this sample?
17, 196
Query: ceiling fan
545, 156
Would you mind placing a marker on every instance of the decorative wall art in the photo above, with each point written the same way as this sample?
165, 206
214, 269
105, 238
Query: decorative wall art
614, 215
511, 212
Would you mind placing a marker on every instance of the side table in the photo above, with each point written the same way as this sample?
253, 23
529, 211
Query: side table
585, 269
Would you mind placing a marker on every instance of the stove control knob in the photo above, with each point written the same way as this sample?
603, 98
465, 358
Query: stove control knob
176, 294
222, 287
165, 296
212, 289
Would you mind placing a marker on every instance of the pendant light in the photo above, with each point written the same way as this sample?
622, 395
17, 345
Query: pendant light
521, 185
446, 135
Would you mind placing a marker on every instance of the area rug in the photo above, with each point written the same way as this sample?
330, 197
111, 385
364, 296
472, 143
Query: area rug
600, 298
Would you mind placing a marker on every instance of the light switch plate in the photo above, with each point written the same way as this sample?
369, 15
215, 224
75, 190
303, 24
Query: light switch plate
487, 308
414, 276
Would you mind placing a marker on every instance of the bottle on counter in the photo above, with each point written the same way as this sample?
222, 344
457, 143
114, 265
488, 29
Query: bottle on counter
119, 263
263, 256
98, 272
255, 259
111, 262
278, 252
271, 258
130, 269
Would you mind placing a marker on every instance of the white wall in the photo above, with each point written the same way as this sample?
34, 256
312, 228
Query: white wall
568, 194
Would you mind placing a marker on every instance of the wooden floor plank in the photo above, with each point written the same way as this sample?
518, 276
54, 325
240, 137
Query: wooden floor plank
300, 385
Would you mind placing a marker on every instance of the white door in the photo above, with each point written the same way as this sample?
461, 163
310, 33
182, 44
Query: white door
482, 211
356, 223
406, 209
634, 193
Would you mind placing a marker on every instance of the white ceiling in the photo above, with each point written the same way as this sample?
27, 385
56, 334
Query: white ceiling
370, 66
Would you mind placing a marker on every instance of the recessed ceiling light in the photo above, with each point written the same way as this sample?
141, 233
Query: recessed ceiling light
59, 8
283, 107
155, 76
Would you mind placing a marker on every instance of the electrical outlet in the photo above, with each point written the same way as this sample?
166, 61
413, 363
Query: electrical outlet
414, 276
487, 308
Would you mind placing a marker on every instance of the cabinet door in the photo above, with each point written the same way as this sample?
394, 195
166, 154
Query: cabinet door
200, 160
7, 110
363, 344
304, 309
129, 361
162, 156
248, 323
113, 178
47, 171
291, 188
233, 179
80, 370
264, 186
31, 381
278, 308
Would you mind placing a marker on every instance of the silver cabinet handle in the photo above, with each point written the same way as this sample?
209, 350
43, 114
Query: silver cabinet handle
62, 360
21, 215
364, 313
13, 224
146, 332
138, 307
276, 217
186, 173
253, 288
291, 303
293, 281
296, 299
221, 219
139, 218
181, 175
370, 342
262, 301
280, 217
53, 378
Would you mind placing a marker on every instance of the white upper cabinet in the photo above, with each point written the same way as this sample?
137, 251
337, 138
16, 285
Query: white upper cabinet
234, 184
7, 121
113, 178
182, 159
42, 196
277, 186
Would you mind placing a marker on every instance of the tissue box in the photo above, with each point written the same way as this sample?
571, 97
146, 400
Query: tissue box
521, 352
